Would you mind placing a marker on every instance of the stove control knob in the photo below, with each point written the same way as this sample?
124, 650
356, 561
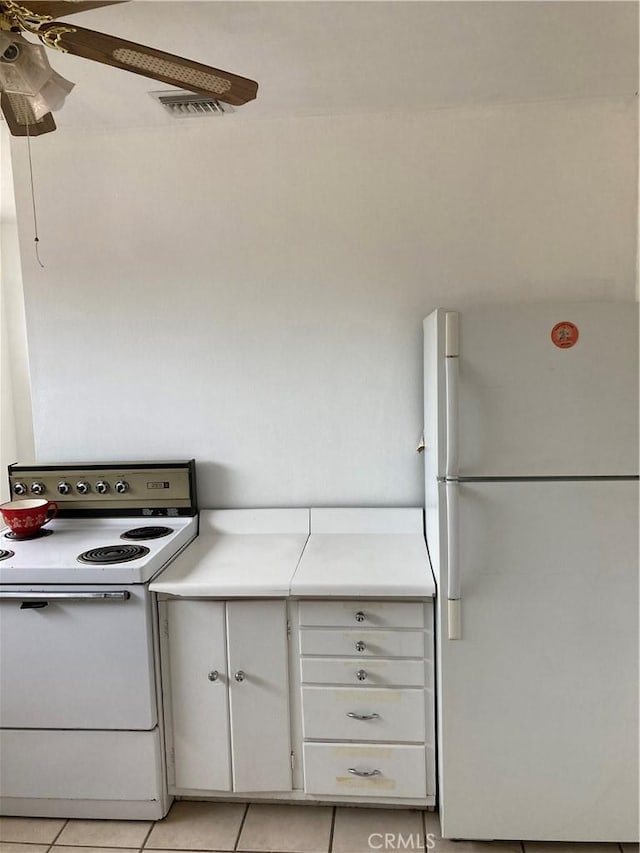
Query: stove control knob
64, 488
20, 489
83, 487
102, 487
38, 488
121, 487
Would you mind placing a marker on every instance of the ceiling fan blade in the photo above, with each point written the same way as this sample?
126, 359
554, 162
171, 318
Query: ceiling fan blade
20, 117
62, 8
174, 70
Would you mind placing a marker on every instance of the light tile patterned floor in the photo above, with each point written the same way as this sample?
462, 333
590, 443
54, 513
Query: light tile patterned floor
260, 828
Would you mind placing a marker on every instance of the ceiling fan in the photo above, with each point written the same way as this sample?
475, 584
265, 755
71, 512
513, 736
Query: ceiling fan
30, 89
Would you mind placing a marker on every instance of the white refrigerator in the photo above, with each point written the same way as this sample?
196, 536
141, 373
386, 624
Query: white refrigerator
531, 451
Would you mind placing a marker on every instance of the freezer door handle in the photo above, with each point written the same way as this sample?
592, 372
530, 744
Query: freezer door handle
452, 361
453, 562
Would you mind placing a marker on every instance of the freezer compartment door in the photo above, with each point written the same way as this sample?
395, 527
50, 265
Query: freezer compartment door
533, 401
70, 662
538, 701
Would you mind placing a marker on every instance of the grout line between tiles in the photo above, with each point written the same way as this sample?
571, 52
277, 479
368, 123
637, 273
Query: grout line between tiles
149, 831
193, 850
95, 846
59, 833
424, 831
522, 847
62, 828
333, 825
242, 822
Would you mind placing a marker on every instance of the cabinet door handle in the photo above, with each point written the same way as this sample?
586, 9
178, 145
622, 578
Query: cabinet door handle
365, 773
213, 675
239, 675
361, 675
360, 617
360, 646
355, 716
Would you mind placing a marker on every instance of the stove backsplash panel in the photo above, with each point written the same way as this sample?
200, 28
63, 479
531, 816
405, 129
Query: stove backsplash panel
149, 489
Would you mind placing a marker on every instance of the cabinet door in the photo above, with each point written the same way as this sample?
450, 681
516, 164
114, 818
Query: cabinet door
199, 704
259, 695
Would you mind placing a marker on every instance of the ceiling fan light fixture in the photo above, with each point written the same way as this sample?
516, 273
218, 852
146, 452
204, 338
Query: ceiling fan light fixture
25, 70
52, 95
24, 67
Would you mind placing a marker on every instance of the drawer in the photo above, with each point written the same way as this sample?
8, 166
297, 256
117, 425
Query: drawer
395, 771
354, 671
383, 644
367, 614
372, 715
80, 765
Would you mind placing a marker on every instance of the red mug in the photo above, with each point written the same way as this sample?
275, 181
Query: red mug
27, 517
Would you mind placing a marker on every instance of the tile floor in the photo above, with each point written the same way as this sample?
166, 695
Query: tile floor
259, 828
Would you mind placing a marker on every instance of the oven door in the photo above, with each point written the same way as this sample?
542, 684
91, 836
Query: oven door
76, 657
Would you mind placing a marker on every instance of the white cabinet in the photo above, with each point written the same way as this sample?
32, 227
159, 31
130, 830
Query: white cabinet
225, 674
341, 707
367, 684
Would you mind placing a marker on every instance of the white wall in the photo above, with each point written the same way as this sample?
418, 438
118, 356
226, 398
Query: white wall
251, 292
16, 429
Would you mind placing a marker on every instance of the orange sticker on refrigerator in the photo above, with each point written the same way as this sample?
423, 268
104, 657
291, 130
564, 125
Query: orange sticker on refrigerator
565, 334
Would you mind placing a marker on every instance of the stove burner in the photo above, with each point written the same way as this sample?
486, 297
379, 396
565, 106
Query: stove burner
38, 534
4, 554
155, 532
113, 554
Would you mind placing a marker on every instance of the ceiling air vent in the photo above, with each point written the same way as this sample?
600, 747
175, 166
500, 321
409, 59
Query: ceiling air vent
184, 104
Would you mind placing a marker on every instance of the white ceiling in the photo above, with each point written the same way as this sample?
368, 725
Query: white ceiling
314, 58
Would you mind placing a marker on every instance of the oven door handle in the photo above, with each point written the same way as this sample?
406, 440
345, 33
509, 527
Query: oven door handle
43, 598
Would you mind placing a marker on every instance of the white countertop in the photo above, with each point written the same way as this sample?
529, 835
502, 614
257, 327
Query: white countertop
231, 565
239, 553
269, 553
374, 565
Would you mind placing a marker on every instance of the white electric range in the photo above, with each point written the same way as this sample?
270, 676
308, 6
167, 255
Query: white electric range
79, 706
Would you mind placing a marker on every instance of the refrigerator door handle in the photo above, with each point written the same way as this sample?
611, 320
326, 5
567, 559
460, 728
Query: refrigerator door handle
454, 604
452, 361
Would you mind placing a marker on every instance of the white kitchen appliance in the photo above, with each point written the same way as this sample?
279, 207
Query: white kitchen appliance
531, 451
80, 734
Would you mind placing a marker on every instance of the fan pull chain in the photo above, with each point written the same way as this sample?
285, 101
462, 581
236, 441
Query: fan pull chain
36, 239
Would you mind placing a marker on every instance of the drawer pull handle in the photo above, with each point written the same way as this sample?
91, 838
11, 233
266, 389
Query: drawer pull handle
361, 675
355, 716
360, 646
365, 773
360, 617
239, 675
213, 675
